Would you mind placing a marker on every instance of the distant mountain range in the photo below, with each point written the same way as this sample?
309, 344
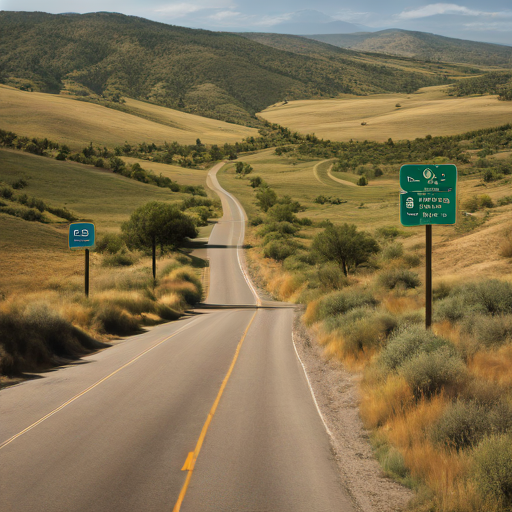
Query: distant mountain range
422, 46
106, 56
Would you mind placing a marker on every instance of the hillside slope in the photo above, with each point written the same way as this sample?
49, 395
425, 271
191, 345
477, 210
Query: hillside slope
214, 74
76, 123
424, 46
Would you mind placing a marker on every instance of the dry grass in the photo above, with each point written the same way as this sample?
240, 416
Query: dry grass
495, 366
428, 111
77, 123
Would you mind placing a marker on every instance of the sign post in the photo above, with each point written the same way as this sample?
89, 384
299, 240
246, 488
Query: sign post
428, 195
82, 235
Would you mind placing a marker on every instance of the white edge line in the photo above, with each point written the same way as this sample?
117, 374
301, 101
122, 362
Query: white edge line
311, 390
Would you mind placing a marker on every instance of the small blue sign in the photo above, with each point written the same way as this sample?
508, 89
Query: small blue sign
82, 235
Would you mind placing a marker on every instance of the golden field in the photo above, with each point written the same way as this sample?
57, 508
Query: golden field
429, 111
68, 121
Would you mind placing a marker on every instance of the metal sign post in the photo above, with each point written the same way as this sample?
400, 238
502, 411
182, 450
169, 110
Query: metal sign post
82, 235
428, 195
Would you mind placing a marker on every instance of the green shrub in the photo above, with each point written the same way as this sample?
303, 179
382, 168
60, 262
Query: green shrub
362, 181
428, 373
491, 297
331, 277
471, 204
490, 331
19, 184
6, 192
256, 221
399, 278
490, 175
406, 343
393, 251
492, 470
340, 302
412, 259
503, 201
285, 228
281, 213
120, 259
274, 235
485, 201
388, 232
463, 424
278, 250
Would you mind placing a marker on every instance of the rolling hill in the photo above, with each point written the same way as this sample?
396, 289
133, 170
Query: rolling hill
218, 75
77, 123
423, 46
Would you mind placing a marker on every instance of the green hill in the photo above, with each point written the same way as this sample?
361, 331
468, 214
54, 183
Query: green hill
423, 46
219, 75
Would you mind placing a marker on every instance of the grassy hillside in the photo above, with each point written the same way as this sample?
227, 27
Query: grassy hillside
423, 46
76, 123
304, 45
399, 116
499, 83
214, 74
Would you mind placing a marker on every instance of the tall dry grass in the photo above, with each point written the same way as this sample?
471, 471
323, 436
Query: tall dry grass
36, 329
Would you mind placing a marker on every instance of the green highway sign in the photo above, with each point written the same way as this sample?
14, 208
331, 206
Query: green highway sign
428, 194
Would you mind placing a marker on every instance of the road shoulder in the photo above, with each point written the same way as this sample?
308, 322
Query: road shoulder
337, 394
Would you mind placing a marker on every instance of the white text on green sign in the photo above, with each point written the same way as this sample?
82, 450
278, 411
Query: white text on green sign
428, 194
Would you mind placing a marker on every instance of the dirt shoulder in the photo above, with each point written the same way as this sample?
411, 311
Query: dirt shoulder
337, 395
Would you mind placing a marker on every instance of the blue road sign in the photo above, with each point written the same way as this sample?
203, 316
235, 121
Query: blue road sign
82, 235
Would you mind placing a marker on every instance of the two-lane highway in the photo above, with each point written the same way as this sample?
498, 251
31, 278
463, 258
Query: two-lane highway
210, 413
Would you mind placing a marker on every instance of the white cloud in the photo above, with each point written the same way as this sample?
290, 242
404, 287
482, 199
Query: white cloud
178, 10
352, 16
433, 9
226, 15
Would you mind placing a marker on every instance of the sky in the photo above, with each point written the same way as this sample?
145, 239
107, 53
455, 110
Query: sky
477, 20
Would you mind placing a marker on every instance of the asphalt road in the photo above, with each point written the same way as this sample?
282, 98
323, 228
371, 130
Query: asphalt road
209, 413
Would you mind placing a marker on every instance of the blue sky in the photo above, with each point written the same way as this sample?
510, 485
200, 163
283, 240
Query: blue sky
471, 19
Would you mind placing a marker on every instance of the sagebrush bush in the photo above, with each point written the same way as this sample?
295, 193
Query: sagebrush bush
429, 373
110, 243
406, 343
340, 302
399, 278
393, 251
279, 250
121, 259
412, 259
490, 331
300, 260
492, 470
285, 228
491, 297
463, 424
330, 276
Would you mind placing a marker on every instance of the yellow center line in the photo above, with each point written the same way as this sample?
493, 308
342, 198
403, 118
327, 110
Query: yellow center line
192, 456
76, 397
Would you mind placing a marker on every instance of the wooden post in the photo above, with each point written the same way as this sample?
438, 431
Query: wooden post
87, 272
428, 277
154, 261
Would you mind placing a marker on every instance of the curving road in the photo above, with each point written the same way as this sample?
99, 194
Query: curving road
210, 413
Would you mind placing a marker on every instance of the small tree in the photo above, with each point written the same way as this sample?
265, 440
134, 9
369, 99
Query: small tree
158, 223
345, 245
266, 198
